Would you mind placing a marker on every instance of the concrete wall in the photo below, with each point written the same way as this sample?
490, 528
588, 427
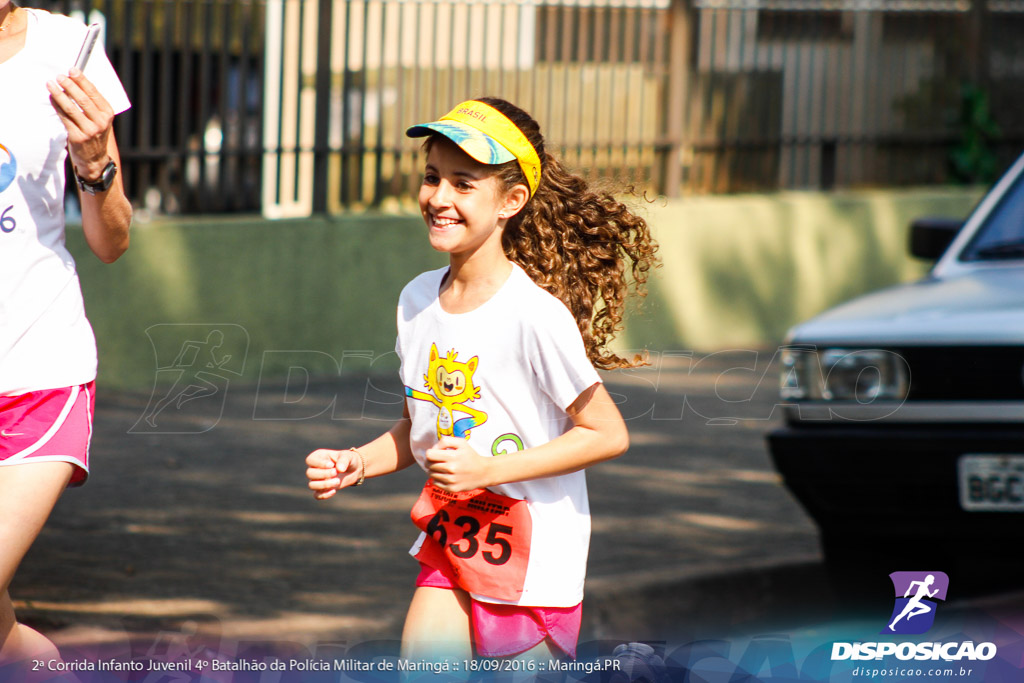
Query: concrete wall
737, 272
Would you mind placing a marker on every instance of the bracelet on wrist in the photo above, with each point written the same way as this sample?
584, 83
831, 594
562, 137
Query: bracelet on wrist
362, 467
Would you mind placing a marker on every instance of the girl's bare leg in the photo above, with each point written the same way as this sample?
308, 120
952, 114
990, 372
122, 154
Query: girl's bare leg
543, 651
437, 626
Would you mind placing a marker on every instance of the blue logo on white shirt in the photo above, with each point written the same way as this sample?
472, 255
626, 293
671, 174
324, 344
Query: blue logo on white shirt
8, 168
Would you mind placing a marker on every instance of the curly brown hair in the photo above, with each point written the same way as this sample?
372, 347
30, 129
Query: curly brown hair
582, 245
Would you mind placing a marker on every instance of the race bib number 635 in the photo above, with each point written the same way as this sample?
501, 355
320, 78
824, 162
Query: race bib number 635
484, 537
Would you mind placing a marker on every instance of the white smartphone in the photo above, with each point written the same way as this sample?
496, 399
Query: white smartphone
91, 36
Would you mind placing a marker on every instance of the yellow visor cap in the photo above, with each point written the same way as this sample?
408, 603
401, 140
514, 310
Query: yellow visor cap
487, 135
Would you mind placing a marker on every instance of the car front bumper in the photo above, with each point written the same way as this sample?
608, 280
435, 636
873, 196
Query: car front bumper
894, 481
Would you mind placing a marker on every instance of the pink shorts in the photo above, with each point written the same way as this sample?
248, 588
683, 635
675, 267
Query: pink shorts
47, 426
505, 630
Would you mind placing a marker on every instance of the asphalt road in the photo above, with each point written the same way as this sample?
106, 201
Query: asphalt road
201, 522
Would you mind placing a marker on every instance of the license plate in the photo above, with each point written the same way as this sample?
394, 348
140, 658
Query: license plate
992, 482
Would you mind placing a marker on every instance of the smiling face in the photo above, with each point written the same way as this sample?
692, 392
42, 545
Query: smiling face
450, 383
450, 379
462, 201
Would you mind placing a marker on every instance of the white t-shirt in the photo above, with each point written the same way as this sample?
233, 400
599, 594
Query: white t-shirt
46, 341
522, 353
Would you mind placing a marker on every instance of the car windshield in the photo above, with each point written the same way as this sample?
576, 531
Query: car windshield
1002, 235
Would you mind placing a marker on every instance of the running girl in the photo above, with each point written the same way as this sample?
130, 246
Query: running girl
504, 408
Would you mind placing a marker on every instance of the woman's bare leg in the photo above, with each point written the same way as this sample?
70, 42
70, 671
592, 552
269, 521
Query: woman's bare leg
27, 495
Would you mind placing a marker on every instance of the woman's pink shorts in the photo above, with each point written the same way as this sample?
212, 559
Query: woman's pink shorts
47, 426
505, 630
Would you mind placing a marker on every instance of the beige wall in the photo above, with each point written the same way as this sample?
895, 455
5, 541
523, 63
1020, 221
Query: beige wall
739, 271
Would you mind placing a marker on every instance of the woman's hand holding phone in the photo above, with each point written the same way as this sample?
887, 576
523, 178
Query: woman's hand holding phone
92, 35
85, 113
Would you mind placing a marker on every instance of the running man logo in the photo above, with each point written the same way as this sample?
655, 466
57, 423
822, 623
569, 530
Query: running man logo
194, 367
917, 594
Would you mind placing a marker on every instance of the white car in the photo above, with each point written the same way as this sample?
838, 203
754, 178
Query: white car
904, 433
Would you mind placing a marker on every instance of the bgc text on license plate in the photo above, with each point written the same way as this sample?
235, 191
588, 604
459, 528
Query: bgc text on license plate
992, 482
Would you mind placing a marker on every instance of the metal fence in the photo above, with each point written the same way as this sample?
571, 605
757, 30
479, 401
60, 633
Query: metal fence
291, 107
593, 76
797, 94
193, 69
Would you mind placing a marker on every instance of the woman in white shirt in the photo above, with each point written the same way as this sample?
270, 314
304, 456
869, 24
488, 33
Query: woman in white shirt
47, 350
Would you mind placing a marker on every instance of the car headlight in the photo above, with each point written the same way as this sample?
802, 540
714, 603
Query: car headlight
862, 375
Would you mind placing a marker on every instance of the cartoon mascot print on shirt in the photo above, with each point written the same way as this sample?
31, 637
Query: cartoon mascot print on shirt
450, 383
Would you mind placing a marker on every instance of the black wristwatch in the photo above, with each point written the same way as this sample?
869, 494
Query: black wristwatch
101, 185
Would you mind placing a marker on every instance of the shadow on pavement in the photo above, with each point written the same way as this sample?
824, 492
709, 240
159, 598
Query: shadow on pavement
204, 520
